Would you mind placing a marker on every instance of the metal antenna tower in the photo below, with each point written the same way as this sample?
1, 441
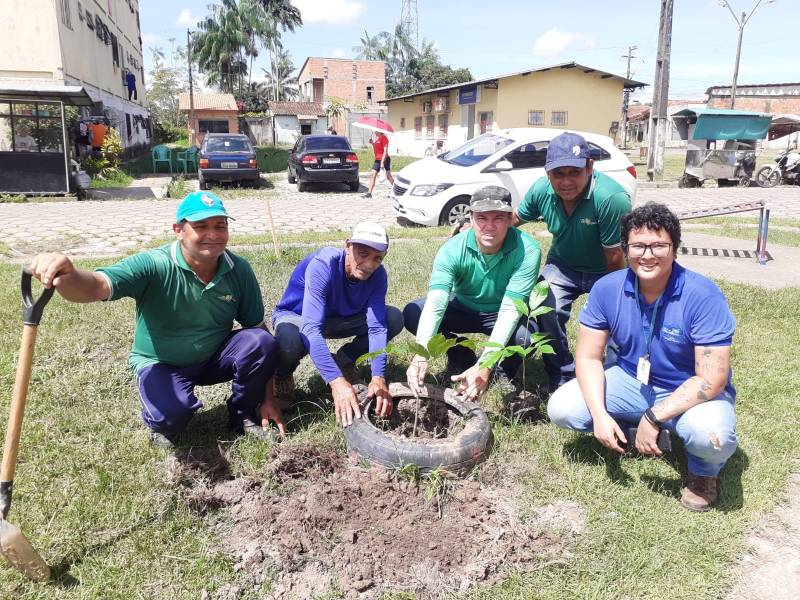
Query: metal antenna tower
409, 17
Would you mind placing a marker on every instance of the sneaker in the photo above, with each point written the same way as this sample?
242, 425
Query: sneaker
700, 493
251, 428
284, 390
348, 369
162, 440
367, 195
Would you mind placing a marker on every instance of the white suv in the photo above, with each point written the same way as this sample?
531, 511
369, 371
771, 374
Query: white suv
436, 190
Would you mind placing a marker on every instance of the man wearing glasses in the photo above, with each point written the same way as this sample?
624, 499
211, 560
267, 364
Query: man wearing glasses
674, 330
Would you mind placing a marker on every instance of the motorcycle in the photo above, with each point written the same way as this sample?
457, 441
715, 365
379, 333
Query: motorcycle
786, 170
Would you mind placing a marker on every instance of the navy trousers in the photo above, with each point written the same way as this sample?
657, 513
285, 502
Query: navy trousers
246, 358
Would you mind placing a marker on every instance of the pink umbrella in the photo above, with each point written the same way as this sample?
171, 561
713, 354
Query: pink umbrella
374, 124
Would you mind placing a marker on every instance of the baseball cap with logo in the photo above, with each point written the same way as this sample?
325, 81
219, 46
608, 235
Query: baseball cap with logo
491, 197
567, 150
372, 235
200, 205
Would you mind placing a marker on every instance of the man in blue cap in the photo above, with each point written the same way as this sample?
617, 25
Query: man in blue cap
188, 294
582, 209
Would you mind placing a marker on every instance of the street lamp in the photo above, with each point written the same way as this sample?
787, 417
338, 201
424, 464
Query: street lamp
741, 22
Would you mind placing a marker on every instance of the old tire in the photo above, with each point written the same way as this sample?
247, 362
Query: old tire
354, 185
454, 210
768, 177
458, 454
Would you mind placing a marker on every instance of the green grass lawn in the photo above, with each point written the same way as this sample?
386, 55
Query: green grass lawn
91, 495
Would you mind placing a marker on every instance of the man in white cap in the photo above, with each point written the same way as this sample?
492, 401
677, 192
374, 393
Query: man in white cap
338, 293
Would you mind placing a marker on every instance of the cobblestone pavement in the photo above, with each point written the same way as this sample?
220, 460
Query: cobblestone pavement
97, 228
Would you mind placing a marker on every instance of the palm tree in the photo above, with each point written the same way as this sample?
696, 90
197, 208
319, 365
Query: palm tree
220, 43
370, 48
280, 79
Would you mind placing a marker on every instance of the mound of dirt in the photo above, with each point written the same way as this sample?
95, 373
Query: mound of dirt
435, 420
331, 524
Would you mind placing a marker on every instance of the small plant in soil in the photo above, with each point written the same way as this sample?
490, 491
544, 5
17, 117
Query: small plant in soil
438, 487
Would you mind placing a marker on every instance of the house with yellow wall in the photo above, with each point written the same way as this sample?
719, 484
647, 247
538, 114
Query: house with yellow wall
564, 96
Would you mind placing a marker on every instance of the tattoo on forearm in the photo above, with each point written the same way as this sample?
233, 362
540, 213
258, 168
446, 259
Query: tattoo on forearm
704, 387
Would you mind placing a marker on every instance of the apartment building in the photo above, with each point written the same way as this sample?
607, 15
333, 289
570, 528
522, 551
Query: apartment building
92, 44
357, 82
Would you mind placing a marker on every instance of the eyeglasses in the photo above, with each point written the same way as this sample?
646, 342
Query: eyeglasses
659, 249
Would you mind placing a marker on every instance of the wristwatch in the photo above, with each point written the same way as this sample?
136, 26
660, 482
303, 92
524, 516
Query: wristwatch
652, 419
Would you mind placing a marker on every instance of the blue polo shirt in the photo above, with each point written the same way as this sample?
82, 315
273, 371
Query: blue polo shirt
693, 312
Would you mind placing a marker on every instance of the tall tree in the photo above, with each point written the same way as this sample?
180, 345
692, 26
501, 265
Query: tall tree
280, 77
220, 45
370, 48
163, 86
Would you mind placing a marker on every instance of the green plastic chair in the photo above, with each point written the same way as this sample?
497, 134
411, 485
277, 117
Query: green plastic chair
161, 154
188, 157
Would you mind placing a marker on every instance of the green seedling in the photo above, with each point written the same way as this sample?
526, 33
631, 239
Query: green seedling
438, 487
407, 472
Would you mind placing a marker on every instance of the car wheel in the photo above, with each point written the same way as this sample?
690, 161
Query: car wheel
354, 185
455, 210
768, 177
290, 177
202, 183
302, 186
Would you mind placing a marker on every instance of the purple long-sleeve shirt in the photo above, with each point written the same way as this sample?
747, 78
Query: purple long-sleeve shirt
318, 289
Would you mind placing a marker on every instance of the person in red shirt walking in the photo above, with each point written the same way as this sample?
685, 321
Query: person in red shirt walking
382, 161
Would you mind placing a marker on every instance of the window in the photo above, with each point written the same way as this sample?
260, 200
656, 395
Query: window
66, 16
418, 128
370, 91
128, 125
486, 120
430, 121
427, 106
528, 156
598, 153
442, 104
558, 117
305, 129
442, 125
536, 118
209, 126
402, 122
327, 143
30, 127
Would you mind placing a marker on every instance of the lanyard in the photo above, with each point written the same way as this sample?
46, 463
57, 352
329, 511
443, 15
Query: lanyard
648, 336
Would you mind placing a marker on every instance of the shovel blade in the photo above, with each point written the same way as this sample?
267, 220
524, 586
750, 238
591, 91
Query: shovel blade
20, 554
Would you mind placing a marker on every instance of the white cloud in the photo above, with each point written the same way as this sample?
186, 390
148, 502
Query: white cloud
150, 40
554, 42
339, 53
334, 12
187, 19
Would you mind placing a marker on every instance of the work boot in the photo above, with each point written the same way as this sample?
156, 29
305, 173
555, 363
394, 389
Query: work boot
700, 493
165, 441
284, 390
249, 427
367, 195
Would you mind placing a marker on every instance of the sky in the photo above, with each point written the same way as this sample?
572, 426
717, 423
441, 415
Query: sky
504, 36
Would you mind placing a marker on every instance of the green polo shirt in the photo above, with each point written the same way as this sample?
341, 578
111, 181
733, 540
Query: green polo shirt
179, 319
579, 239
480, 281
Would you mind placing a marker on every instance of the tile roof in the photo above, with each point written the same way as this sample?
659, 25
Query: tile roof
208, 101
297, 108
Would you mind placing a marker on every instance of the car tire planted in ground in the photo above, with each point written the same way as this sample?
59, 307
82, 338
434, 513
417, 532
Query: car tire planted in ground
457, 454
454, 210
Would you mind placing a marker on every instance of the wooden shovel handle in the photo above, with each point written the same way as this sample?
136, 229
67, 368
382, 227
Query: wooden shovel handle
18, 398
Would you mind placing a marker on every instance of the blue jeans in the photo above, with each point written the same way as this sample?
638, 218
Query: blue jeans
460, 319
708, 430
291, 348
246, 358
566, 286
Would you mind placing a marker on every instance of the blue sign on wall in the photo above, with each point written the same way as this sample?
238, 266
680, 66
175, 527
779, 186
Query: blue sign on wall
468, 95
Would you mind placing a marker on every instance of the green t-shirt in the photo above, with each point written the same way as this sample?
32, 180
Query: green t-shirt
579, 239
179, 319
480, 281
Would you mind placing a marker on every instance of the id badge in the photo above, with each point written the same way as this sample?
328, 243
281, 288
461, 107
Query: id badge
643, 370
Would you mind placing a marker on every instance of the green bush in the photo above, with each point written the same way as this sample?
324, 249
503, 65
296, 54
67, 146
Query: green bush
112, 148
177, 187
15, 198
272, 159
164, 133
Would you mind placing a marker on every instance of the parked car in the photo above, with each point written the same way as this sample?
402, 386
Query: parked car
227, 158
323, 159
436, 190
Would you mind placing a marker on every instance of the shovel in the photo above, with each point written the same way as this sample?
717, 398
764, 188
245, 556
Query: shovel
13, 545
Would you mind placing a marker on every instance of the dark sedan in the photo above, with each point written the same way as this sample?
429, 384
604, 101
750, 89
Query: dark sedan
323, 159
227, 158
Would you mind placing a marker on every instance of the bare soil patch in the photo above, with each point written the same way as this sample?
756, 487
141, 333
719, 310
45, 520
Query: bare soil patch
317, 522
435, 420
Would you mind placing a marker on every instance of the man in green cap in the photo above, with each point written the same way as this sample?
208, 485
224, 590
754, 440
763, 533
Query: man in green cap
188, 294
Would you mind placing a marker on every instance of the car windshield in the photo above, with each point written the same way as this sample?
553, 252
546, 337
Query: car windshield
327, 143
227, 145
474, 151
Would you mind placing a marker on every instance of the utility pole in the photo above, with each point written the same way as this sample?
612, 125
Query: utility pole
658, 111
741, 22
626, 97
192, 133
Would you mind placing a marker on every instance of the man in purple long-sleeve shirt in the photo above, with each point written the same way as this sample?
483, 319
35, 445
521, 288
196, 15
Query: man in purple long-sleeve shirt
338, 293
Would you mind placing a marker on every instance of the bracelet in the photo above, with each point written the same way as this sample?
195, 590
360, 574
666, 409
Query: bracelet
652, 419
